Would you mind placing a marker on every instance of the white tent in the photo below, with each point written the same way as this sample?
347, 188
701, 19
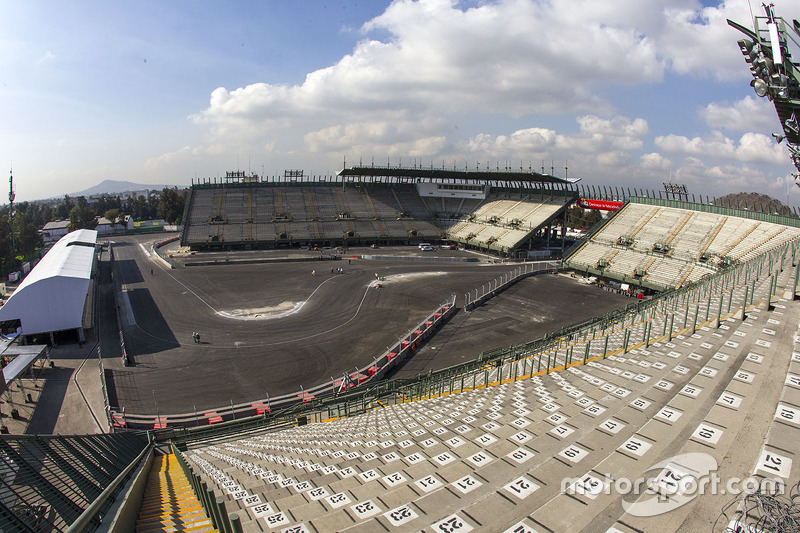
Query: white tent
52, 296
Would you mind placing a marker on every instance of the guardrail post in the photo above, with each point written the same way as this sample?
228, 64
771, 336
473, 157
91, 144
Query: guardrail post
671, 323
208, 498
226, 523
236, 524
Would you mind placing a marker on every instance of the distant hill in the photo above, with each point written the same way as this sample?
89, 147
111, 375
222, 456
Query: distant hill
754, 202
116, 187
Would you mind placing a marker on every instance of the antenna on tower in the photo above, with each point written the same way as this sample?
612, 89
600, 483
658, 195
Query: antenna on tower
11, 197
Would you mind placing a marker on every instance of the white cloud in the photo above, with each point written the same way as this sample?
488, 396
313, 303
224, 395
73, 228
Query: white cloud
510, 57
655, 161
506, 61
608, 138
727, 178
747, 114
751, 147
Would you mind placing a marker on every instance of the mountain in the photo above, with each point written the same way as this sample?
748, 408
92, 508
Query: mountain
116, 187
754, 202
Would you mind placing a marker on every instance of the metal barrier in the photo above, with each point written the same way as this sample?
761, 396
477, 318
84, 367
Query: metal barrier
506, 280
404, 347
50, 483
610, 334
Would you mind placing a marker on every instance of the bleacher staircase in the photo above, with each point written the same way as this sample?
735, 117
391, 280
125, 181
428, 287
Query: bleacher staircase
169, 502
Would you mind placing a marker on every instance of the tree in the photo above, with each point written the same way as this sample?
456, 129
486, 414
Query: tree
113, 216
26, 235
170, 205
82, 218
62, 210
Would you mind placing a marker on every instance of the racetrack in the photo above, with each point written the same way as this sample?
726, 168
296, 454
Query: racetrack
272, 327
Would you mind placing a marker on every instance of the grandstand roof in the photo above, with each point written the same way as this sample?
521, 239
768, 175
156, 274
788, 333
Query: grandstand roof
443, 174
52, 296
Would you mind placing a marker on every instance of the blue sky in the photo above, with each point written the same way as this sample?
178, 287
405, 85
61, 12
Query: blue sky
628, 93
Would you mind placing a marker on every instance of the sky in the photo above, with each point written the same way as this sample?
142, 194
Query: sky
630, 93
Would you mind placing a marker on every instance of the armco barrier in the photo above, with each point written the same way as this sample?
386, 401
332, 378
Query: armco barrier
404, 348
420, 258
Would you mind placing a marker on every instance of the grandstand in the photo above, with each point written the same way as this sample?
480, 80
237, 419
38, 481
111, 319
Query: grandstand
664, 244
493, 211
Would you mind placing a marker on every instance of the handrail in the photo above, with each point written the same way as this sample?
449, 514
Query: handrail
89, 514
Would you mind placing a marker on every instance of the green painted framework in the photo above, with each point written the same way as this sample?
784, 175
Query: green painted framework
47, 483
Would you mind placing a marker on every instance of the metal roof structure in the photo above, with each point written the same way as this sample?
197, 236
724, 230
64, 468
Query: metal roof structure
53, 294
775, 75
452, 175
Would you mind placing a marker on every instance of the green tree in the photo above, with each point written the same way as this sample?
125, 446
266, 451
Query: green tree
62, 209
113, 216
26, 235
170, 205
592, 217
81, 217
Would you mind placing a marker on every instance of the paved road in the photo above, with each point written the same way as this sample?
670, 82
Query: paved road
274, 327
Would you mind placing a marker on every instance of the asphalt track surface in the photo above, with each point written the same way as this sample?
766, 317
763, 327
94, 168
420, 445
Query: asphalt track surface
270, 328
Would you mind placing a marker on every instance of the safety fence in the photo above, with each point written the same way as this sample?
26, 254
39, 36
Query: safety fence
54, 483
488, 291
705, 304
405, 346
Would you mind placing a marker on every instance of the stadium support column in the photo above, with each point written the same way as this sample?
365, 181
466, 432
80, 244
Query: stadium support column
794, 285
605, 348
81, 335
744, 302
549, 229
772, 279
671, 324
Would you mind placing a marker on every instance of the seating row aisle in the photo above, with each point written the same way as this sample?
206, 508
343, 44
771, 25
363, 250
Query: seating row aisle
526, 455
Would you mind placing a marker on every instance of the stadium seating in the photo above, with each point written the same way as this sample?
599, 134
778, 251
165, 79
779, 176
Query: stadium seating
268, 214
665, 247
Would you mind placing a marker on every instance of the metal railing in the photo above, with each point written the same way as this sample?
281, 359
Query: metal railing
49, 483
488, 290
403, 348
